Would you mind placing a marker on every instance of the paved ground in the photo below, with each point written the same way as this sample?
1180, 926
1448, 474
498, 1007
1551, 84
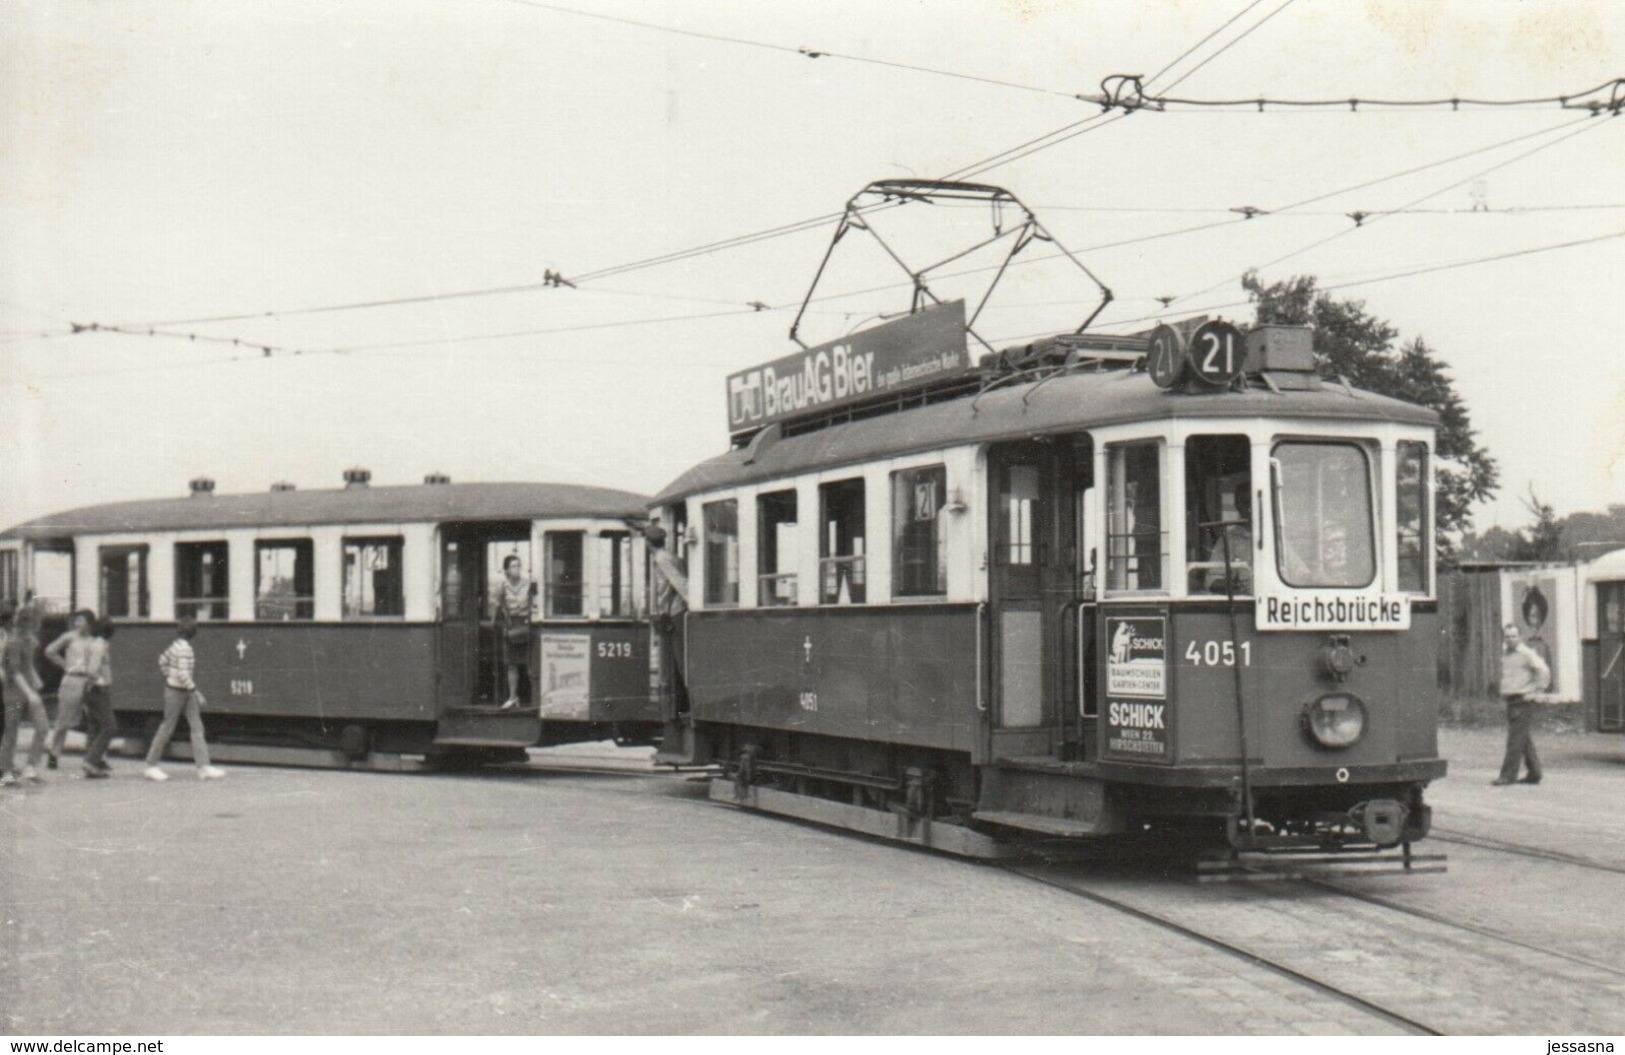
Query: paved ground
537, 901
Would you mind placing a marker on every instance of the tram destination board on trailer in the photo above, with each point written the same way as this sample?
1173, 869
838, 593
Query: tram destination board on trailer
1084, 587
353, 625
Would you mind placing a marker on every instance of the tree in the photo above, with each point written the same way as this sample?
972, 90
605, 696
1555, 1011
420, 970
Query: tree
1542, 540
1359, 347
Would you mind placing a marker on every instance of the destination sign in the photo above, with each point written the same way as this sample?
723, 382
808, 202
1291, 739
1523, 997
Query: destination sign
1333, 611
904, 354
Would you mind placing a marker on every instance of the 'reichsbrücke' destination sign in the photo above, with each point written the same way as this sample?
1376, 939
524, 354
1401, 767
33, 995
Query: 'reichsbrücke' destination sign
912, 352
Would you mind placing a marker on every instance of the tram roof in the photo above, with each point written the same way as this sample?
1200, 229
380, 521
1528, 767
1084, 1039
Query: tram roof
1069, 403
353, 505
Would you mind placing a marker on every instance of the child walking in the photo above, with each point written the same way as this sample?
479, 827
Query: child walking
178, 663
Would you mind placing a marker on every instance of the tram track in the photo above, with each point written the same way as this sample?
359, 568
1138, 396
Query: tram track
1326, 988
1538, 853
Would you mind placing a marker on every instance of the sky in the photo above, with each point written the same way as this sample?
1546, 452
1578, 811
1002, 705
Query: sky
165, 162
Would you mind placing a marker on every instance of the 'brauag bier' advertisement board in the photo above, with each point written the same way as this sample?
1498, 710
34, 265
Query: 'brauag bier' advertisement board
920, 350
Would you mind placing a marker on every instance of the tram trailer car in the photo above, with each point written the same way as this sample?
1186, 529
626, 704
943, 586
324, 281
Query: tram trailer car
997, 601
334, 624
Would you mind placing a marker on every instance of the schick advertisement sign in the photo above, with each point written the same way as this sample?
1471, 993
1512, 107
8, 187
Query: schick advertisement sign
1137, 710
907, 353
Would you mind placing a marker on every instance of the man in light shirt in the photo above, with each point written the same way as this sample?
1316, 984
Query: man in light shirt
1523, 673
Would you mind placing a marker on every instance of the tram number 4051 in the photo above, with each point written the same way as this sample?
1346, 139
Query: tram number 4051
1219, 653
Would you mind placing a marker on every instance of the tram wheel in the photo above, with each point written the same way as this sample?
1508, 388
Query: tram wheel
355, 741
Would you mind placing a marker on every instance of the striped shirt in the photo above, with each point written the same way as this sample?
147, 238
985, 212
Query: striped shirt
178, 661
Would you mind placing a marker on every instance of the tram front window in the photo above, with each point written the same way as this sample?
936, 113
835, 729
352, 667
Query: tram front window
1323, 522
1218, 512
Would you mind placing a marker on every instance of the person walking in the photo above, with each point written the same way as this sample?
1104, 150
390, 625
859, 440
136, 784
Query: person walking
1523, 673
22, 691
179, 663
99, 723
72, 651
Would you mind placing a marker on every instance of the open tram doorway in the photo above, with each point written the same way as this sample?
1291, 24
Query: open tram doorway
473, 652
1611, 656
1039, 594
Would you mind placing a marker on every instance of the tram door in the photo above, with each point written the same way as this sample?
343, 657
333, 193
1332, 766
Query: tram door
1032, 582
1611, 656
460, 603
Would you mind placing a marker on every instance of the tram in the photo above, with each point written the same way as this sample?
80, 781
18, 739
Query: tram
353, 625
1084, 587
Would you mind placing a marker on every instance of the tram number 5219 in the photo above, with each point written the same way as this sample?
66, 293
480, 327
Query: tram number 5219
1219, 654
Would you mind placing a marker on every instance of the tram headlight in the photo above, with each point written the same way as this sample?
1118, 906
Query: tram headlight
1336, 719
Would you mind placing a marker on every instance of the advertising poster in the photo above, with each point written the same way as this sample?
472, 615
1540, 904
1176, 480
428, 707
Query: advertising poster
566, 675
1136, 712
1541, 603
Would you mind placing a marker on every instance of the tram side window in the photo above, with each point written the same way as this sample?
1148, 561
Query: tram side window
202, 585
920, 553
1135, 549
374, 581
615, 574
10, 579
776, 549
284, 580
1412, 508
563, 567
53, 580
721, 528
1219, 514
123, 581
1323, 529
841, 575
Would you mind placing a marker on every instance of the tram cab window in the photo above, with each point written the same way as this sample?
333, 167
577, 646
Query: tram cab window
615, 574
841, 575
1323, 522
721, 528
1412, 509
1219, 514
776, 549
202, 585
563, 575
374, 581
284, 580
1135, 537
123, 581
919, 551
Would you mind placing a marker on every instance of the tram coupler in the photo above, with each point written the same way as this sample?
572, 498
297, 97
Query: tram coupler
1382, 821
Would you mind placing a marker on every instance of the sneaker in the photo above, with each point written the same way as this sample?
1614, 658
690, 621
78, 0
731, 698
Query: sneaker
154, 773
210, 773
29, 774
50, 761
1498, 782
92, 773
7, 779
512, 702
1530, 780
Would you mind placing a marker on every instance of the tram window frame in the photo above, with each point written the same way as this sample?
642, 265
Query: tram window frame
777, 523
393, 547
189, 600
564, 575
300, 604
1128, 558
615, 574
919, 543
1218, 471
842, 541
1412, 541
1289, 556
10, 576
719, 529
63, 564
109, 558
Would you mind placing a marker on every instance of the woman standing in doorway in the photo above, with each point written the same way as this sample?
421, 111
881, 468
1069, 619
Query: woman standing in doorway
513, 623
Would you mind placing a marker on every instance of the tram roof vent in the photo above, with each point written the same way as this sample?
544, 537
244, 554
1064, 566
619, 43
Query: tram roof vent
437, 478
202, 486
282, 485
357, 478
1277, 347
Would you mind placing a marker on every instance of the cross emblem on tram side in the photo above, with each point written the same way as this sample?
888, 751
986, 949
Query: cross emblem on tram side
242, 648
807, 649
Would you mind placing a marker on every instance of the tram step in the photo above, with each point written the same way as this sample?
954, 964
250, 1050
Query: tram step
949, 838
1033, 822
487, 728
